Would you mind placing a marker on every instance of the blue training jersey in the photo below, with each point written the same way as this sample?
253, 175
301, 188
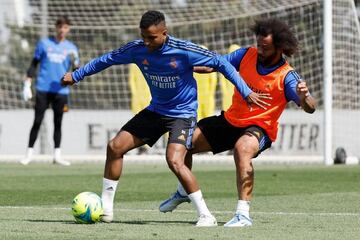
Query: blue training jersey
168, 72
291, 80
55, 60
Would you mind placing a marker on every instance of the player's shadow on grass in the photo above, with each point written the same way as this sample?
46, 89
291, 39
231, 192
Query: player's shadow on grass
152, 222
51, 221
144, 222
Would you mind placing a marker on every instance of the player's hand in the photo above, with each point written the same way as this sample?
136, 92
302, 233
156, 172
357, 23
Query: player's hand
302, 90
257, 99
67, 79
27, 93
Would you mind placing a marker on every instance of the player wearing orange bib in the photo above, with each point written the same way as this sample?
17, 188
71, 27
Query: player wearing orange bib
241, 115
248, 129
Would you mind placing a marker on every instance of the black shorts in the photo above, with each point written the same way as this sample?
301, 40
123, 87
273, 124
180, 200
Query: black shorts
222, 136
59, 102
150, 126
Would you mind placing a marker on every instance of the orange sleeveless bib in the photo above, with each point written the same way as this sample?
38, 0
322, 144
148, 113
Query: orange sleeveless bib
240, 114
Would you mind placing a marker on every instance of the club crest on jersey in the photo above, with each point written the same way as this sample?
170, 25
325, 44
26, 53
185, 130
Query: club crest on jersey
173, 63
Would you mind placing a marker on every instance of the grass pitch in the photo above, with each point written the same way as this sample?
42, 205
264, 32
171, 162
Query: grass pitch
290, 202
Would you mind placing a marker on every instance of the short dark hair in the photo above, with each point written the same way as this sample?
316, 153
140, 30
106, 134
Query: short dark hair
282, 35
150, 18
62, 20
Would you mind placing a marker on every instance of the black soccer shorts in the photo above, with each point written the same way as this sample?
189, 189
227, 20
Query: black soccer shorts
150, 126
222, 136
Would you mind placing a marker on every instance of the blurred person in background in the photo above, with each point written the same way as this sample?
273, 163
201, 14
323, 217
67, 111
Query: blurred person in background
56, 55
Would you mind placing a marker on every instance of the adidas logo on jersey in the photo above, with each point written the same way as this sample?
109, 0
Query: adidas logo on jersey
145, 62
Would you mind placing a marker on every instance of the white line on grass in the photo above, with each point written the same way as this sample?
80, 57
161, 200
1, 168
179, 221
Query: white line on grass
192, 211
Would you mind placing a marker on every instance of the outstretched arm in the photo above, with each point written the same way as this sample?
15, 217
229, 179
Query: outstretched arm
97, 65
118, 56
94, 66
219, 63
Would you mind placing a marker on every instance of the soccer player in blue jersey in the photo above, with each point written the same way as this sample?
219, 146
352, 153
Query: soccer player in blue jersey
56, 56
251, 130
167, 65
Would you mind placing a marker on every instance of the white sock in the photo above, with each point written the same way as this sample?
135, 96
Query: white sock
57, 153
29, 153
181, 190
199, 203
243, 207
108, 194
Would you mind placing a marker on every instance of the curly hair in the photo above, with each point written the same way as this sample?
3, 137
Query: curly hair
282, 35
151, 18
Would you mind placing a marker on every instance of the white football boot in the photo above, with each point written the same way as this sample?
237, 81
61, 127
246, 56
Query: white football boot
206, 221
107, 217
108, 214
58, 159
28, 156
61, 162
239, 221
25, 161
171, 203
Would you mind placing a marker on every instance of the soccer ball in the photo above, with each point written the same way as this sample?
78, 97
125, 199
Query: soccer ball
87, 207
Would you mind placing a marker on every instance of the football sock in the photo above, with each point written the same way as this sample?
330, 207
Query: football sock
108, 194
243, 207
57, 153
199, 203
181, 190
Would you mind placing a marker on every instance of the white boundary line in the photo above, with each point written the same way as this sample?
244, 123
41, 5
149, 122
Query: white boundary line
324, 214
200, 158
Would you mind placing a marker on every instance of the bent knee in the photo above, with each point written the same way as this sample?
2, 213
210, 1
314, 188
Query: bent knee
246, 148
174, 165
115, 148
